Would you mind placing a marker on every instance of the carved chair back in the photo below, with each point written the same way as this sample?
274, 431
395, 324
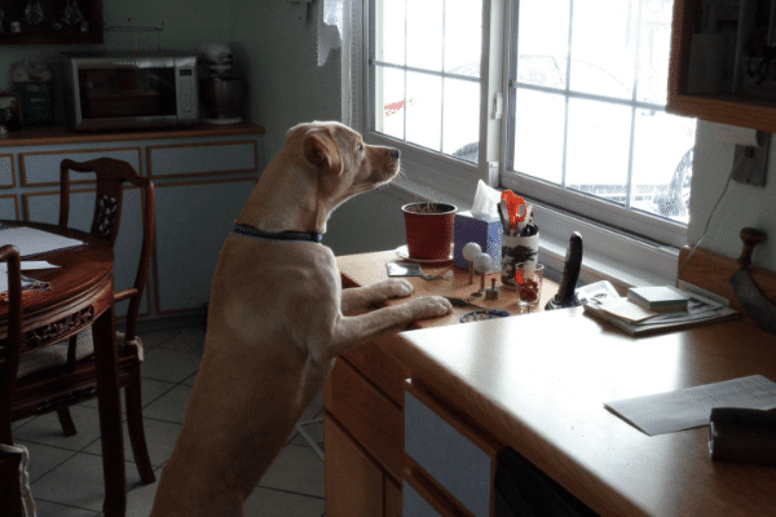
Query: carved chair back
111, 176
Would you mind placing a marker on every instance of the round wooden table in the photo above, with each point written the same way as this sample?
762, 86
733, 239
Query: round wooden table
81, 296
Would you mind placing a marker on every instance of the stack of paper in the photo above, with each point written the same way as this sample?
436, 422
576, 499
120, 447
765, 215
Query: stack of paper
29, 285
604, 302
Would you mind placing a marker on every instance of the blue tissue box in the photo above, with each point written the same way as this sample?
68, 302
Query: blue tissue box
486, 232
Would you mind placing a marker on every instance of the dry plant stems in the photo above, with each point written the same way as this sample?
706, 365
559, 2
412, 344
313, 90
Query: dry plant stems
428, 206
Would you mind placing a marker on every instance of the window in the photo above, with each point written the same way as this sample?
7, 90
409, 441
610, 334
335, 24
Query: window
425, 72
562, 101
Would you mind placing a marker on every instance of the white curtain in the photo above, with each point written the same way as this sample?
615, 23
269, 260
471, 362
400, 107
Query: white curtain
331, 28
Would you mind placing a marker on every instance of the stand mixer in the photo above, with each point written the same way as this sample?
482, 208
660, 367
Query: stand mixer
221, 94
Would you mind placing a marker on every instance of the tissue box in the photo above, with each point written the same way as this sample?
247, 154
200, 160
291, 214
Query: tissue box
485, 231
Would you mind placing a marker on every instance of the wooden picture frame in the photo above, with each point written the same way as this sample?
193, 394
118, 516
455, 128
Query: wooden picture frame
10, 111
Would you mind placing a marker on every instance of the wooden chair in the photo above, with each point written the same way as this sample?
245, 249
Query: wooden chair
14, 488
75, 380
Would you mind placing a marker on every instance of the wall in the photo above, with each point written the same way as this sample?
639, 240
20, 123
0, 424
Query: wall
277, 54
287, 87
187, 24
742, 205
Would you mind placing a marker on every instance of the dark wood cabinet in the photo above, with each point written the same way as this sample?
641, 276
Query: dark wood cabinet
723, 68
52, 29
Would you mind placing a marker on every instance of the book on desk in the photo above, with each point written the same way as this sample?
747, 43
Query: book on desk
603, 301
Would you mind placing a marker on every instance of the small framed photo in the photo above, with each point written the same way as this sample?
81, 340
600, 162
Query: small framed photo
10, 111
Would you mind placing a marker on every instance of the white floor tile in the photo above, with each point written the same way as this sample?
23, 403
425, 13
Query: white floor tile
77, 482
43, 458
46, 430
168, 365
150, 390
46, 509
171, 406
297, 469
264, 502
160, 440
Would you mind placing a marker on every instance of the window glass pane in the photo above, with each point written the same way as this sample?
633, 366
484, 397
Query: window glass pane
662, 163
461, 120
389, 25
390, 104
603, 46
654, 51
598, 148
463, 37
539, 134
425, 34
424, 110
542, 40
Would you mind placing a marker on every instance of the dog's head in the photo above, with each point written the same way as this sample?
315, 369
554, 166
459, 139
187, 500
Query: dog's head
343, 165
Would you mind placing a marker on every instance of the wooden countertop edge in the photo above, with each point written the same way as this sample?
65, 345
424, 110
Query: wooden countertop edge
62, 134
486, 416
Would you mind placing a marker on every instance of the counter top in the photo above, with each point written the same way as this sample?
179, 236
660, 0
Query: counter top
538, 382
62, 134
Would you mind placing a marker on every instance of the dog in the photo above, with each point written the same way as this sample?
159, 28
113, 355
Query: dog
278, 319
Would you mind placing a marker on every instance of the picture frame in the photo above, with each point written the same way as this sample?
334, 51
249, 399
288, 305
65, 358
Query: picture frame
10, 111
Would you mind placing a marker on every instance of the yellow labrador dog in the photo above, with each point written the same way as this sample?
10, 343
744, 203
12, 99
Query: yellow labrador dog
277, 320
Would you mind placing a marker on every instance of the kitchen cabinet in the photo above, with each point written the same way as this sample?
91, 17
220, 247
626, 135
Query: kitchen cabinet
203, 176
714, 74
52, 29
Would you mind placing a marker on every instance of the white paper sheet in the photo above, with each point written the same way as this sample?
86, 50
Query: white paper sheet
31, 241
691, 407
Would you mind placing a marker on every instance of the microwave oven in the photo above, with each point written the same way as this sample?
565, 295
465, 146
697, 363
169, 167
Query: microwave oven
125, 90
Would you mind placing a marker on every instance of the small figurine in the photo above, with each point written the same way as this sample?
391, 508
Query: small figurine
470, 252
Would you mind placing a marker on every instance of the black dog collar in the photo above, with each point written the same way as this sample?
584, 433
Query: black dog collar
288, 235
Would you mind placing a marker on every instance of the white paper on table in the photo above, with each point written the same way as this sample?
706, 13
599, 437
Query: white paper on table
691, 407
31, 241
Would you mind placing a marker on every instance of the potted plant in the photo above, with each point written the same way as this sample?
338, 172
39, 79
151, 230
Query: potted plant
429, 228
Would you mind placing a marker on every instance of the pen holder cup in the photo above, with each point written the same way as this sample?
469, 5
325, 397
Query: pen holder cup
514, 250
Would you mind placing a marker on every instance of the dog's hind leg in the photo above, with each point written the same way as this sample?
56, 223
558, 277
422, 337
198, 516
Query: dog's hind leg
357, 298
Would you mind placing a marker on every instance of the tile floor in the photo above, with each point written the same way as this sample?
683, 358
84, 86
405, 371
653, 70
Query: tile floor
66, 473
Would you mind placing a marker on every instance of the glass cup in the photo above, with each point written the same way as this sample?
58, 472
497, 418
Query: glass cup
528, 278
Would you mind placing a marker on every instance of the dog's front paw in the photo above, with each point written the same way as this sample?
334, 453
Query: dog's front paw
395, 288
431, 307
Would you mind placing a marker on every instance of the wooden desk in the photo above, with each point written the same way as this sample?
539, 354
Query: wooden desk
82, 295
537, 383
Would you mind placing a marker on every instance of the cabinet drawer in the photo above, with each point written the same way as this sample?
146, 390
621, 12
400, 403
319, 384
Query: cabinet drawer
368, 415
449, 457
415, 505
7, 176
381, 369
205, 158
42, 168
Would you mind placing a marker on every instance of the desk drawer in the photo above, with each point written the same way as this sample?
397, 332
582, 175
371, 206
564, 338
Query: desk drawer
453, 461
367, 414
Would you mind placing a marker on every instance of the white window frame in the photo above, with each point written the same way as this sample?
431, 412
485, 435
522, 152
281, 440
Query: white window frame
613, 250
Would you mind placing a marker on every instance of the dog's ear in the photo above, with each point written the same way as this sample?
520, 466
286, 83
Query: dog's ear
322, 150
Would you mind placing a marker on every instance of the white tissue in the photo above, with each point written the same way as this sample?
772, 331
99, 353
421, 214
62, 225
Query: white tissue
485, 201
331, 28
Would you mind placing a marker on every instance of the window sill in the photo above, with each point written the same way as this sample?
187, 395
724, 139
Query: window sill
608, 255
